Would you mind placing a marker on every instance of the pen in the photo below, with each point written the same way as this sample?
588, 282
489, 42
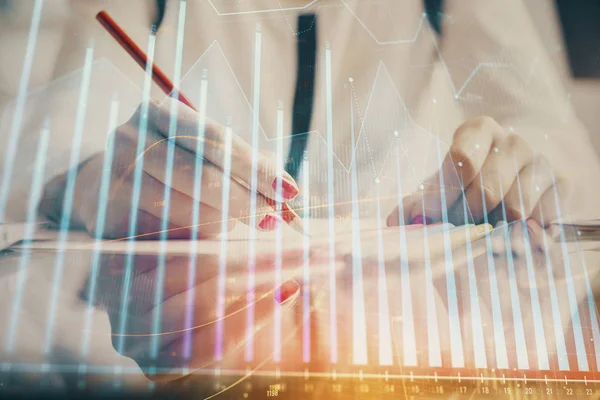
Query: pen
166, 85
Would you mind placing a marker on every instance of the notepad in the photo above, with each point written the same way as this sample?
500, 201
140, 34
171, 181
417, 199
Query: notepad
241, 238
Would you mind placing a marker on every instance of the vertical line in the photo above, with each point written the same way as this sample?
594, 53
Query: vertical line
408, 328
561, 348
13, 141
198, 176
582, 362
433, 340
521, 345
591, 307
100, 220
456, 347
306, 290
359, 330
499, 339
249, 354
538, 324
223, 253
135, 196
476, 323
69, 193
385, 339
171, 145
35, 195
278, 238
331, 212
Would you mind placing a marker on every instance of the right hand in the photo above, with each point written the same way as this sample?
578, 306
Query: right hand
183, 191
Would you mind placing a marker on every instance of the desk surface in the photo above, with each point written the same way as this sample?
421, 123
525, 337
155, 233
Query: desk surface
28, 354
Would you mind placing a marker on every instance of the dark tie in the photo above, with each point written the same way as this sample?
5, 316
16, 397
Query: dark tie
161, 5
305, 89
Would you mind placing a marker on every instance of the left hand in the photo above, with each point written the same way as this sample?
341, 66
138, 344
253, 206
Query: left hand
496, 172
180, 328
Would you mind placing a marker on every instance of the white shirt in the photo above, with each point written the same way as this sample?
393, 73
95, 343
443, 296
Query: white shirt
395, 85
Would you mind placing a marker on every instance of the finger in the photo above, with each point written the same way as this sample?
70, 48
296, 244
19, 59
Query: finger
556, 201
147, 226
182, 179
460, 256
268, 172
225, 339
534, 179
519, 238
151, 207
497, 176
401, 215
180, 208
204, 267
471, 144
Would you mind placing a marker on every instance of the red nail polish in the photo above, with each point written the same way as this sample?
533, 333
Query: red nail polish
288, 189
269, 222
286, 291
421, 220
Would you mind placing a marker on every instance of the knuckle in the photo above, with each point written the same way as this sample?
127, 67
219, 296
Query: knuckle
512, 142
492, 195
541, 163
464, 159
484, 122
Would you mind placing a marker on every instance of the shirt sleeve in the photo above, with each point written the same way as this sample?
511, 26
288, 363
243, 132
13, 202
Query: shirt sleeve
74, 104
499, 68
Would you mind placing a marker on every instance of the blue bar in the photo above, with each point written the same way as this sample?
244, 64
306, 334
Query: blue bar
330, 207
433, 339
306, 283
521, 344
164, 231
476, 323
561, 348
135, 197
69, 193
591, 307
198, 168
223, 253
408, 329
499, 339
582, 362
100, 220
278, 238
35, 194
538, 323
385, 338
249, 355
15, 129
456, 347
359, 329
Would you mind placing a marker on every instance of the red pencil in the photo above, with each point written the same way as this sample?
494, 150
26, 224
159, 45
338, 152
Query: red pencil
159, 77
139, 56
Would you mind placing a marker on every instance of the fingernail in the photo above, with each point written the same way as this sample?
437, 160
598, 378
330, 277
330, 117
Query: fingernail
286, 291
270, 222
483, 229
421, 220
288, 189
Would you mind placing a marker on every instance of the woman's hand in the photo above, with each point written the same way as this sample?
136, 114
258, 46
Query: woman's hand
181, 175
201, 318
495, 172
